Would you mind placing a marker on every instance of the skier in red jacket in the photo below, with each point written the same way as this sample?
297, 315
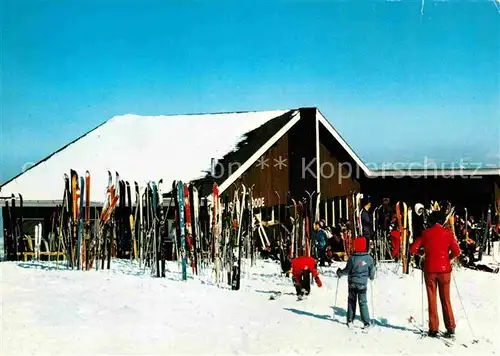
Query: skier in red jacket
302, 268
437, 243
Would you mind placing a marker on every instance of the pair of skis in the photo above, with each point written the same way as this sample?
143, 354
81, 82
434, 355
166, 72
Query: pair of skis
14, 228
106, 222
216, 224
187, 207
79, 224
150, 232
236, 265
402, 218
232, 236
227, 234
448, 341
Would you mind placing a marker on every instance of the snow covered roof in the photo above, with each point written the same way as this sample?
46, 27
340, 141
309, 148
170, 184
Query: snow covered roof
176, 147
139, 148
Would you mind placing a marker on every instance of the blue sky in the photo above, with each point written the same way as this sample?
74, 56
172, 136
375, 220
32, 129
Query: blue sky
397, 85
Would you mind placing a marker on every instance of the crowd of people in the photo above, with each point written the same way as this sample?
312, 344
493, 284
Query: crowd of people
436, 243
383, 238
435, 248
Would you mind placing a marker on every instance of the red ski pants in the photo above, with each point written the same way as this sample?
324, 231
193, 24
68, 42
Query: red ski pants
441, 282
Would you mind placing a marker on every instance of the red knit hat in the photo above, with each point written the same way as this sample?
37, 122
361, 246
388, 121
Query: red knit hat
360, 244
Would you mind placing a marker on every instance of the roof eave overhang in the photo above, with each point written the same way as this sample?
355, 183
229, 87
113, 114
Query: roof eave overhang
254, 157
442, 173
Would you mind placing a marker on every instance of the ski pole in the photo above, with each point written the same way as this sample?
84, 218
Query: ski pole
371, 297
335, 301
474, 340
422, 293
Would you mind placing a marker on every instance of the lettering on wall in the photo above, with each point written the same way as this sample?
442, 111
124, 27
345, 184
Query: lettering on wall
259, 202
256, 202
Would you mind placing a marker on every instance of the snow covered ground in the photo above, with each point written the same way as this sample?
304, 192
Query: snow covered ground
123, 311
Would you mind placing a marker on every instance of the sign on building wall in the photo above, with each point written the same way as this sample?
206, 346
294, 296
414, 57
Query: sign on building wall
259, 202
256, 203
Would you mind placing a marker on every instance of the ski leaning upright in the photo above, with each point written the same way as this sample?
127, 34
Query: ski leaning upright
180, 199
236, 273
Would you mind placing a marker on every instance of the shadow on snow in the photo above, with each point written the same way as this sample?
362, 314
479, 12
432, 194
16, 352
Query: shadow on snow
123, 267
45, 266
340, 312
273, 292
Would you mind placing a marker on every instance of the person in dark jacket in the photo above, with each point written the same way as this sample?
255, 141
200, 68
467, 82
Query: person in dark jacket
321, 239
385, 215
359, 268
335, 248
302, 268
437, 242
366, 222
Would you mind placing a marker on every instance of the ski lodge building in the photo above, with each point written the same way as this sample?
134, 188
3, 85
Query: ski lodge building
281, 154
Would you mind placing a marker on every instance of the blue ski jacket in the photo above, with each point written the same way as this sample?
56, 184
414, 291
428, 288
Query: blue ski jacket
321, 238
359, 268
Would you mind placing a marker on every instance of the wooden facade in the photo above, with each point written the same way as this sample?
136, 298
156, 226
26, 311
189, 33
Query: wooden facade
268, 177
336, 178
288, 169
274, 184
302, 177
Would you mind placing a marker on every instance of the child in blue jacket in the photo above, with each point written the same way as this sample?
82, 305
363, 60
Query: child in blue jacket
321, 239
360, 267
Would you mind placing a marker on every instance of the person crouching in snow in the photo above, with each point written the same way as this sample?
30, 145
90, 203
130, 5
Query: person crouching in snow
302, 268
359, 268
